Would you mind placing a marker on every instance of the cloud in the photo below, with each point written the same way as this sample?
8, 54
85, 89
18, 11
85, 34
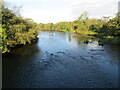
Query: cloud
49, 16
65, 10
96, 8
38, 1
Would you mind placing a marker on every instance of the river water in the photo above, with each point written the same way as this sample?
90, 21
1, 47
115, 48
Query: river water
61, 60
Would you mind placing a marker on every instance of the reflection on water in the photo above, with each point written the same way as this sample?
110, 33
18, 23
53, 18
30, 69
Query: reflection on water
61, 59
26, 50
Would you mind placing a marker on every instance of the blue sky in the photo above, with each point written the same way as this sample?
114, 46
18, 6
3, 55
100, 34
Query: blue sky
46, 11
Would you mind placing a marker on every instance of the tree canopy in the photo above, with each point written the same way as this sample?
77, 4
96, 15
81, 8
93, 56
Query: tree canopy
103, 28
16, 30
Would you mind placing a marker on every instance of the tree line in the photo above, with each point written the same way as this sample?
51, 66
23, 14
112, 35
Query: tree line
104, 28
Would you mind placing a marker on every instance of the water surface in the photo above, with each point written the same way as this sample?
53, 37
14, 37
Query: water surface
61, 60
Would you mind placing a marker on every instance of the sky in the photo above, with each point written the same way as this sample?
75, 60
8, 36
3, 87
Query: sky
53, 11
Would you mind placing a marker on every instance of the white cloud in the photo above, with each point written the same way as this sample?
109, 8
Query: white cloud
50, 16
96, 8
65, 10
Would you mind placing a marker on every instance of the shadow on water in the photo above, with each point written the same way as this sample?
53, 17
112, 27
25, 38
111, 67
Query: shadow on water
14, 60
61, 59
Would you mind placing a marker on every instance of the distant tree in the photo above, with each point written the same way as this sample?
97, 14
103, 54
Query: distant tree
83, 16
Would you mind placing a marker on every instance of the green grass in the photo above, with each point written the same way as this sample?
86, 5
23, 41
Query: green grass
64, 30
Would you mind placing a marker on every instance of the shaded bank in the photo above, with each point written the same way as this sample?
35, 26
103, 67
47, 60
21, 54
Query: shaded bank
111, 41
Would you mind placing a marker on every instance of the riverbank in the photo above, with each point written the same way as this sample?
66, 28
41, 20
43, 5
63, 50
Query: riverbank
90, 34
16, 31
93, 35
20, 46
111, 41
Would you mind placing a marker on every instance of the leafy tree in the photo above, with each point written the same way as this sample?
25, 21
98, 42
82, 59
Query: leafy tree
16, 30
101, 28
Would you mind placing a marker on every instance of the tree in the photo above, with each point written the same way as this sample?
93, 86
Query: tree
83, 16
16, 31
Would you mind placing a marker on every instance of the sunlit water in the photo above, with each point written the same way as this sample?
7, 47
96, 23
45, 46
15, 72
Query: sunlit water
61, 60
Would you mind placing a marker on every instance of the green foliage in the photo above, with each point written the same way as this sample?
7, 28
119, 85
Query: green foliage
3, 39
109, 28
82, 25
64, 30
100, 28
94, 27
16, 31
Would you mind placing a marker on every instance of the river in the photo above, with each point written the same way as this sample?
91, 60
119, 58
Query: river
61, 60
